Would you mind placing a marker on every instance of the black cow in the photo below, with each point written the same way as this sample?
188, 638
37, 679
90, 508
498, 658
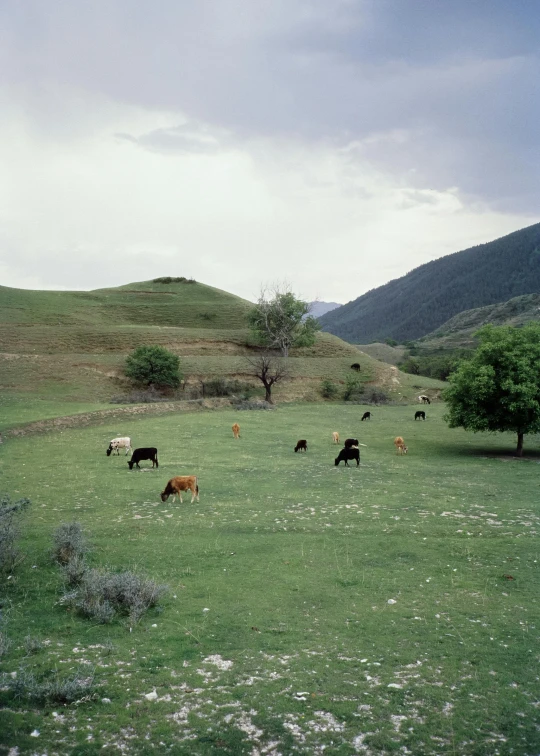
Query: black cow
350, 442
419, 415
301, 445
366, 416
149, 452
355, 366
347, 454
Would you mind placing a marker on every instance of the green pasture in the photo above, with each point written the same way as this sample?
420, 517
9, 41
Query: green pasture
391, 608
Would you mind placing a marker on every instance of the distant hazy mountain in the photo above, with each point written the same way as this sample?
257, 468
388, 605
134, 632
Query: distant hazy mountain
321, 308
418, 303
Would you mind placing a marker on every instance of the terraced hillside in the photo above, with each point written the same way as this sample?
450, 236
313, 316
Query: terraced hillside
70, 346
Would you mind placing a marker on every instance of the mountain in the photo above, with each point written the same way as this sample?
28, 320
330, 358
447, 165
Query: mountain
318, 309
419, 302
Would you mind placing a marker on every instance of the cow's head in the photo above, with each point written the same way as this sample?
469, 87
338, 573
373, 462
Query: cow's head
109, 450
164, 496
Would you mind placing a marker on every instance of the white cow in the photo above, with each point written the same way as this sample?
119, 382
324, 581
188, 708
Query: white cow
122, 442
424, 399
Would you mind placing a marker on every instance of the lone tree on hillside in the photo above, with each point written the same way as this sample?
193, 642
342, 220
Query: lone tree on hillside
153, 366
498, 389
269, 369
279, 320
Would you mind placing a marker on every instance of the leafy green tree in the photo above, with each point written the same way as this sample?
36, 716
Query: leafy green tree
498, 389
153, 366
281, 321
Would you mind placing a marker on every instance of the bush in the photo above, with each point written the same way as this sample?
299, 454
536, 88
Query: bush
328, 389
25, 686
226, 387
172, 279
375, 395
102, 595
153, 365
9, 530
32, 645
254, 405
354, 388
145, 396
5, 643
70, 544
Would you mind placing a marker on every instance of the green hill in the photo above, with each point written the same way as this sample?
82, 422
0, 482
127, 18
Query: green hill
69, 347
418, 303
458, 332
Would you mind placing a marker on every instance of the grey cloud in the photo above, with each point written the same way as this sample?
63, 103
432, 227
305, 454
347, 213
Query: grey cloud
461, 79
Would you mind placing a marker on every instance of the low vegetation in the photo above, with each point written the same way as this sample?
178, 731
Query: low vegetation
10, 512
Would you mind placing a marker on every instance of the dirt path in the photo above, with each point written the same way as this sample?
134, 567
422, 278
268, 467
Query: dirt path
98, 417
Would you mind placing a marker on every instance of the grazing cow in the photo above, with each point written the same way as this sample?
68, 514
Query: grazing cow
335, 437
301, 445
419, 415
424, 399
346, 454
122, 442
149, 452
179, 484
366, 416
350, 442
400, 445
236, 430
355, 366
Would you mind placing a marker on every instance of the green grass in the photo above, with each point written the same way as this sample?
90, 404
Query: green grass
278, 627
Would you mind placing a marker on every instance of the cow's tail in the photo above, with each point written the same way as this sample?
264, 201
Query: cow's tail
197, 484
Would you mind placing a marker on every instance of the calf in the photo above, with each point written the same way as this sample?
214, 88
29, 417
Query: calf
346, 454
366, 416
149, 452
400, 445
122, 442
236, 430
301, 445
335, 437
419, 415
179, 484
349, 442
424, 399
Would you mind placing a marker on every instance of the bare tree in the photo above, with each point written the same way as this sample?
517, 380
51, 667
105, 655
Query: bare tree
269, 369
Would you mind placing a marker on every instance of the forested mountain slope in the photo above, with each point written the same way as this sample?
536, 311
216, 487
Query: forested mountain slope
418, 303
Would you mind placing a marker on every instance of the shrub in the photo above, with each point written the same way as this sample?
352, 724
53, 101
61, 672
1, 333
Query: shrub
153, 365
149, 395
102, 595
70, 543
328, 389
173, 279
5, 643
9, 530
375, 395
254, 405
25, 686
354, 388
226, 387
32, 645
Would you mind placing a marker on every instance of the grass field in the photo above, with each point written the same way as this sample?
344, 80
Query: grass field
387, 609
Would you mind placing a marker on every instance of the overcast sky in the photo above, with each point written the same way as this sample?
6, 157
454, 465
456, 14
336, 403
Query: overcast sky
336, 144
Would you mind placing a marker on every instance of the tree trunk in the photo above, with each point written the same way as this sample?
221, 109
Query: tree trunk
519, 450
268, 396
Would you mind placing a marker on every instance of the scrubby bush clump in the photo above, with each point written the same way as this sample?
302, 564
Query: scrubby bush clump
102, 595
173, 279
329, 390
63, 690
70, 543
222, 387
9, 530
354, 388
254, 405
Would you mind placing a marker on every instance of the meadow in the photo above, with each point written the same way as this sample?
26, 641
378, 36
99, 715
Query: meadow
390, 608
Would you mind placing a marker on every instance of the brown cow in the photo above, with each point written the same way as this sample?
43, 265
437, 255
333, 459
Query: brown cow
335, 437
236, 430
179, 484
400, 445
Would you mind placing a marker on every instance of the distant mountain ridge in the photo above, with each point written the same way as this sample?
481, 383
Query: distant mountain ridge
418, 303
318, 309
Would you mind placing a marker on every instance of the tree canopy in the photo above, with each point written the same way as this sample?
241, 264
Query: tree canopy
498, 389
153, 366
279, 321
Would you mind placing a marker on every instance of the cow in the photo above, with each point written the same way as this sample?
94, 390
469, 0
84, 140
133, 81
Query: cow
236, 430
122, 442
301, 445
419, 415
424, 399
335, 437
149, 452
347, 454
181, 483
399, 443
366, 416
355, 366
350, 442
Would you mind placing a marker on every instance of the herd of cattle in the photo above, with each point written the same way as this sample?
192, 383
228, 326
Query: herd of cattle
180, 483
